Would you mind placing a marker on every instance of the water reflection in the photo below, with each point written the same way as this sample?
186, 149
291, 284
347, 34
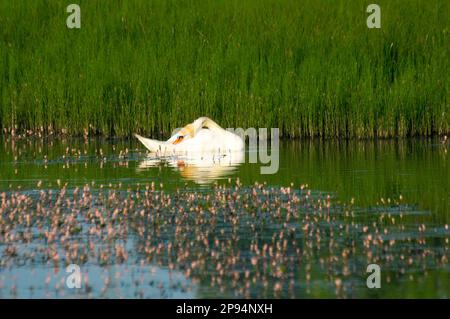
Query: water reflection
126, 280
201, 169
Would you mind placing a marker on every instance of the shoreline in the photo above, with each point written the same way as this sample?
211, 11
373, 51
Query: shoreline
22, 134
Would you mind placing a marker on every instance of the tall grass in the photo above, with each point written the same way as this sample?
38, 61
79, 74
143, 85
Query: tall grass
310, 67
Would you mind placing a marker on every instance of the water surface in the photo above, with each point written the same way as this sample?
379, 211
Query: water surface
374, 180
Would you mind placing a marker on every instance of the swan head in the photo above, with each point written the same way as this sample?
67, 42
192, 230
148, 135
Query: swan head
185, 133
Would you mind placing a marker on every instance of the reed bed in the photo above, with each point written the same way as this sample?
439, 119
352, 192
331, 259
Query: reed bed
311, 68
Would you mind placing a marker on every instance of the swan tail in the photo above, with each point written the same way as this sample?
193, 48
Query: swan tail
151, 145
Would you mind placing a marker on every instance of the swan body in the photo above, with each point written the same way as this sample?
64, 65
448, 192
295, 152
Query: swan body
201, 136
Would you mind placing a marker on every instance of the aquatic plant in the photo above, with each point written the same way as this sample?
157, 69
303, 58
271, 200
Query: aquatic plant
235, 241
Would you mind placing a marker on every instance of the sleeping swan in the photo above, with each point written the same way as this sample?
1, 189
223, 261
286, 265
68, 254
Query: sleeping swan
201, 136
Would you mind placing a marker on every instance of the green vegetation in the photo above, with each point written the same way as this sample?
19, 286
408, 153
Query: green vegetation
311, 68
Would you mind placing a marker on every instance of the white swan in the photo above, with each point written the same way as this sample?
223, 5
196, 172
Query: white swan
201, 136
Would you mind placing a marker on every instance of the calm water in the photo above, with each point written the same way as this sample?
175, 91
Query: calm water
371, 175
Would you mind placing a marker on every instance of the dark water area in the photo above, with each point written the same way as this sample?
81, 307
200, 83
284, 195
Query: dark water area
202, 229
366, 171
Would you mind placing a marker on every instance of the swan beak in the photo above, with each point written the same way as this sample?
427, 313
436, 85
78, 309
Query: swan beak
178, 140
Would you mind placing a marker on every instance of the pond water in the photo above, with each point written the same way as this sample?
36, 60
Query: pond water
140, 227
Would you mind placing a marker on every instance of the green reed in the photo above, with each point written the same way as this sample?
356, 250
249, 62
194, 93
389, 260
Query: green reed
311, 68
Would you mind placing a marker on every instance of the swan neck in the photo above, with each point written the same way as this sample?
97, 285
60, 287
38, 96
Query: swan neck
208, 123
